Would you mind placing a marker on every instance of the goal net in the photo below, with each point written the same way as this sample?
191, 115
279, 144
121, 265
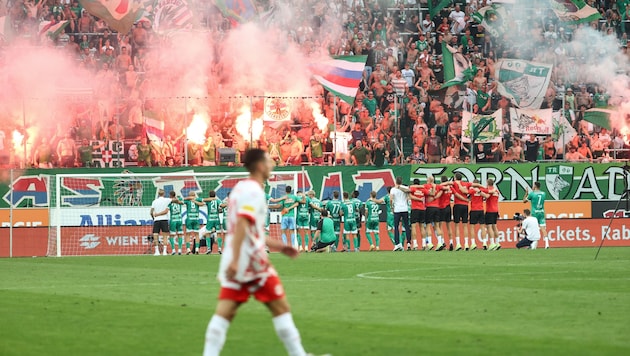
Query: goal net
109, 214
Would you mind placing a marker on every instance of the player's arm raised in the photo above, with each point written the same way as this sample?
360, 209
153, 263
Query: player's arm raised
526, 198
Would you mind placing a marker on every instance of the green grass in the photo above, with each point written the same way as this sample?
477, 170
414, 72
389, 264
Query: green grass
553, 302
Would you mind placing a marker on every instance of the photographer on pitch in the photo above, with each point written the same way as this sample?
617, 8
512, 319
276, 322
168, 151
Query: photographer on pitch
529, 230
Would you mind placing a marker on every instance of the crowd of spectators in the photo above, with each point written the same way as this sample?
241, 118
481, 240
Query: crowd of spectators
402, 43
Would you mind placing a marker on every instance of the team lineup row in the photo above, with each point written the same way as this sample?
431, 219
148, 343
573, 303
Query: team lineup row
451, 208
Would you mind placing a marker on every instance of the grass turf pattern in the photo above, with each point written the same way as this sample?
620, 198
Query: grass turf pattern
556, 301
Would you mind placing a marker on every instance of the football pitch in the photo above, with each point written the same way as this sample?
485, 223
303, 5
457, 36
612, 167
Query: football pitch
556, 301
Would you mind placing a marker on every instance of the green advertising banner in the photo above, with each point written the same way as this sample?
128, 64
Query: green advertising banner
36, 188
561, 181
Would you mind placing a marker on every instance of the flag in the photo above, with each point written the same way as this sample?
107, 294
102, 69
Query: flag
6, 31
277, 111
238, 11
493, 18
118, 14
51, 29
536, 122
523, 82
574, 11
457, 69
169, 15
439, 5
621, 7
562, 132
452, 97
153, 126
341, 75
601, 117
479, 128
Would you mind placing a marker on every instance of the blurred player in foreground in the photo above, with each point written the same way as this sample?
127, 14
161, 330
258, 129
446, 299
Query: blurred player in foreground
245, 269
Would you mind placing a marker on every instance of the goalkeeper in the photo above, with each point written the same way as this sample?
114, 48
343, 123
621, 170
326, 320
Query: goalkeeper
325, 234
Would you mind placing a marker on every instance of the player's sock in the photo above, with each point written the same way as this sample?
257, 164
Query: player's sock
546, 242
299, 239
440, 240
219, 242
171, 240
197, 245
293, 241
466, 241
458, 241
377, 239
208, 244
180, 240
306, 240
284, 238
215, 335
346, 244
369, 239
289, 334
188, 245
356, 243
491, 241
157, 250
391, 236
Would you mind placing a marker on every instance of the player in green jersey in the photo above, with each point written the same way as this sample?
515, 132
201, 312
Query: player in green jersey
334, 208
349, 222
289, 203
303, 221
193, 203
358, 208
175, 222
213, 224
315, 213
325, 233
390, 214
537, 198
372, 221
224, 209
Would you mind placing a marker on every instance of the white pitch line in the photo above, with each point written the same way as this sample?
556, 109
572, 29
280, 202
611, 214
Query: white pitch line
494, 276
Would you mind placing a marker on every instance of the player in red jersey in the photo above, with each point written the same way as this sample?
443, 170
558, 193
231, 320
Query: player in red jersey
433, 214
460, 210
477, 216
245, 269
446, 212
418, 211
492, 213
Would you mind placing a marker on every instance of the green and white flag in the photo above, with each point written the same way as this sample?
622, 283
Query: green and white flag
482, 128
574, 11
563, 132
435, 6
622, 8
601, 117
523, 82
536, 122
457, 69
493, 18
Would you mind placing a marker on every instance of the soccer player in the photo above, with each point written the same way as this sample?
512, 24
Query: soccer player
245, 269
433, 214
303, 221
224, 231
372, 221
213, 225
325, 234
334, 208
460, 209
418, 196
175, 222
349, 222
537, 199
160, 215
390, 214
446, 213
477, 214
192, 221
492, 213
399, 198
358, 208
315, 213
289, 203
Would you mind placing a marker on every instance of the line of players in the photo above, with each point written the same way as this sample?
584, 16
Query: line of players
473, 214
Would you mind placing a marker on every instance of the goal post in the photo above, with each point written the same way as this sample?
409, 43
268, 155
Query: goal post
109, 214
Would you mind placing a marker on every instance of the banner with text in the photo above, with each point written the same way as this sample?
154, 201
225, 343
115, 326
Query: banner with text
560, 181
536, 122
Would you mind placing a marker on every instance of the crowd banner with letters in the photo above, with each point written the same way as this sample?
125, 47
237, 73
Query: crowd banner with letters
524, 83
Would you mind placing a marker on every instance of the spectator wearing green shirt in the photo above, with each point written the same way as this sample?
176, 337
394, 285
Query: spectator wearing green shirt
316, 147
360, 156
84, 153
370, 103
144, 153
